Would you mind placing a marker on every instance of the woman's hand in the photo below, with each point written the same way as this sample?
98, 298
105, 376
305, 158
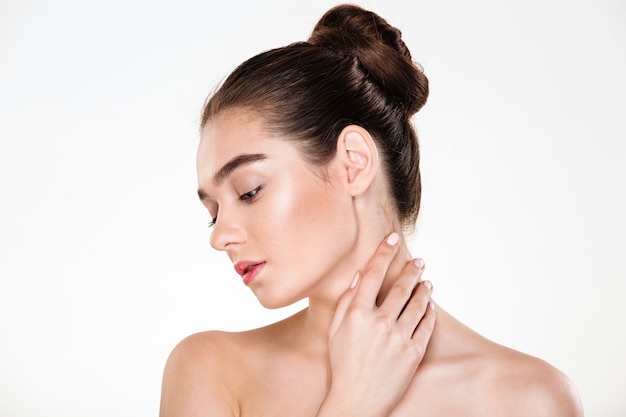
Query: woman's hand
375, 351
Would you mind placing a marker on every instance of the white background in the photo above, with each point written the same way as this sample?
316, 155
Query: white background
105, 263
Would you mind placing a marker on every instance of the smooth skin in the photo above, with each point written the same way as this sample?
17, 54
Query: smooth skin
372, 346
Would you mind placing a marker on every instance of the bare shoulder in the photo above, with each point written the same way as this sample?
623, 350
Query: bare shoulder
196, 378
523, 385
206, 372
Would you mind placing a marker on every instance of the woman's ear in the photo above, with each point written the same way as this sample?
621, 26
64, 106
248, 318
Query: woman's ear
358, 156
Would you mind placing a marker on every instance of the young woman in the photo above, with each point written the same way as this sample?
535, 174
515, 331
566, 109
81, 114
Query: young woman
309, 166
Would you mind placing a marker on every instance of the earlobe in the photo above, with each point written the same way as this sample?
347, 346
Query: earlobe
360, 158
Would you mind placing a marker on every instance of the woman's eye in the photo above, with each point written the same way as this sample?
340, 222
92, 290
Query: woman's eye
249, 196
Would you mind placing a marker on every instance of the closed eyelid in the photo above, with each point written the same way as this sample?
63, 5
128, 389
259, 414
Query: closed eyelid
231, 166
250, 195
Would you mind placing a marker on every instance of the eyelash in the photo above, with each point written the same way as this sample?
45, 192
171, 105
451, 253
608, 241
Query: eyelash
248, 197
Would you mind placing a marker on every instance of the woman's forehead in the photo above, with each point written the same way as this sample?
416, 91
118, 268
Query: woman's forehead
229, 134
234, 134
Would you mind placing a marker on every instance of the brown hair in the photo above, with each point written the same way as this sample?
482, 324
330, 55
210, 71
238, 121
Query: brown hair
354, 69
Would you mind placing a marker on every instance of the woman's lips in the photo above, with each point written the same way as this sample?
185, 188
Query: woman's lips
249, 270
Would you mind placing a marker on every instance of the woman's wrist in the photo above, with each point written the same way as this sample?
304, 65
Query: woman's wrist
338, 404
334, 405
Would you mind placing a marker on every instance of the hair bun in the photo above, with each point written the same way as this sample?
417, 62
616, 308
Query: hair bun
380, 50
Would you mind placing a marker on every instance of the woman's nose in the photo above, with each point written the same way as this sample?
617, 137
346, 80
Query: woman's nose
227, 233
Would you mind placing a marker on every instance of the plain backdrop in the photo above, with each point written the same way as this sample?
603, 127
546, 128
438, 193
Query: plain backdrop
105, 262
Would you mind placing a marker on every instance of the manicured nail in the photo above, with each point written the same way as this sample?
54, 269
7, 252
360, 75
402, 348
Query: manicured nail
431, 305
355, 280
428, 285
419, 262
393, 239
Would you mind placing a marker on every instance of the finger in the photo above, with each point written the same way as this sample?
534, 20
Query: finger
424, 330
375, 271
415, 308
402, 290
342, 305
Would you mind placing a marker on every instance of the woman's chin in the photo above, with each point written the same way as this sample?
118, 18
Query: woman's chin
274, 301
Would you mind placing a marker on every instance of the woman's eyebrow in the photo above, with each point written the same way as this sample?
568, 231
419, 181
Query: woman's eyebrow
233, 164
230, 166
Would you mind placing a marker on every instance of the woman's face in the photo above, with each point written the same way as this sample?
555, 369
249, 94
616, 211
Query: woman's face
288, 232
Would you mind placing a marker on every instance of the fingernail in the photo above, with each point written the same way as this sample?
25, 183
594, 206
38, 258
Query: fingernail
393, 239
419, 262
428, 285
431, 305
355, 280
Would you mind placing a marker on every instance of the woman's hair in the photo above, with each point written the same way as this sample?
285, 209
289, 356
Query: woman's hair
354, 69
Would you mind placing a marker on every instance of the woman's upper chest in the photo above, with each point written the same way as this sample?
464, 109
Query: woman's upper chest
276, 382
283, 386
280, 384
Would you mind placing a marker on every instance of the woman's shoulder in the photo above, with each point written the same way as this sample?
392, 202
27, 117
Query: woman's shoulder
208, 370
476, 376
214, 352
211, 349
196, 378
520, 384
218, 349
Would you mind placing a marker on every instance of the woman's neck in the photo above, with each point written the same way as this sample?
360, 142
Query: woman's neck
318, 317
